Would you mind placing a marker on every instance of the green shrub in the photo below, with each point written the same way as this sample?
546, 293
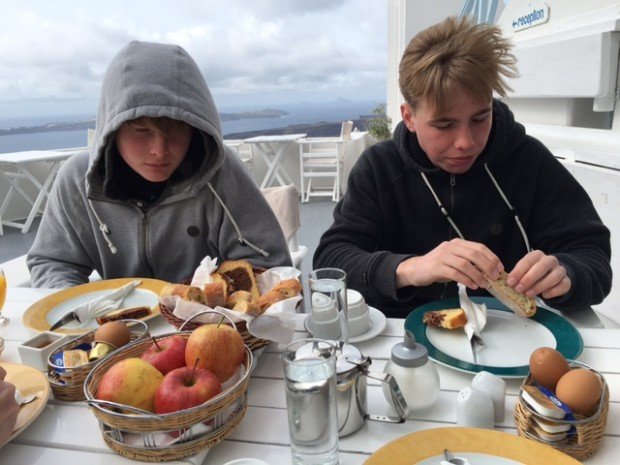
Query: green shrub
379, 127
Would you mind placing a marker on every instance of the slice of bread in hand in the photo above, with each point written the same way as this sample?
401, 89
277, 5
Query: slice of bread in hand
521, 304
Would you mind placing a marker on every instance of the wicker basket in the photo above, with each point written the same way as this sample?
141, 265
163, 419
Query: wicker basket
222, 414
588, 430
252, 342
68, 383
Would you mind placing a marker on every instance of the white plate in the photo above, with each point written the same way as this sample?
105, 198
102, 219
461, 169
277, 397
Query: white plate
378, 321
478, 459
41, 315
509, 339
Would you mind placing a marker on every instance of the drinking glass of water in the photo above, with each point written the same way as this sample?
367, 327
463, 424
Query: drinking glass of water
3, 319
328, 296
310, 383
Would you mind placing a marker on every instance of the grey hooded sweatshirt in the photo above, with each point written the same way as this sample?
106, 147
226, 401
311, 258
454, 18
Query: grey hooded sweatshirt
215, 209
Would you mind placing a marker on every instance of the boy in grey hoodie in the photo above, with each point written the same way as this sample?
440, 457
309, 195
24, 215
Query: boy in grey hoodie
159, 190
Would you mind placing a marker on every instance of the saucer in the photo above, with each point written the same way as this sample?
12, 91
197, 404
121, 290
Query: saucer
378, 321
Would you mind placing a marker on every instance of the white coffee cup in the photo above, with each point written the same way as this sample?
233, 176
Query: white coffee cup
495, 387
474, 408
357, 313
324, 317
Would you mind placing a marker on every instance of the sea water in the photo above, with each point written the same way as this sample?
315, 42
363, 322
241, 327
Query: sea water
312, 416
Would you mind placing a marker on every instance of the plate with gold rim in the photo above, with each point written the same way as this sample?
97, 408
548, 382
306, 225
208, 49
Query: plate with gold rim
510, 340
41, 315
29, 381
480, 446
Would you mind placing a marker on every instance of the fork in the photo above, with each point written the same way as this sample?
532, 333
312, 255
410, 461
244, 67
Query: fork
476, 341
452, 460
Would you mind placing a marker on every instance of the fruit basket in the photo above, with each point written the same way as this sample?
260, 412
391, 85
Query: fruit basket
68, 382
145, 436
586, 437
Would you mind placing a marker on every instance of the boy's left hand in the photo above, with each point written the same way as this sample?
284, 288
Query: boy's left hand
539, 274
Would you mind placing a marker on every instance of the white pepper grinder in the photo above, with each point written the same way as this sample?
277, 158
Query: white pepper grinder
415, 374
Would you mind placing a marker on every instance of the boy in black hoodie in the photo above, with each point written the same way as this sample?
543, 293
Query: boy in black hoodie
461, 191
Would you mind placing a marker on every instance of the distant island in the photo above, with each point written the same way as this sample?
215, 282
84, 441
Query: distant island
90, 123
320, 129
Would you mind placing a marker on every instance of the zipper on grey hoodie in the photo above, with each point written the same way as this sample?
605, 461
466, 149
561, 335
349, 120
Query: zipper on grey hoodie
145, 225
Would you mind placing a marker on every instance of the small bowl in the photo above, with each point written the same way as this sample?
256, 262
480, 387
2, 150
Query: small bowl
35, 351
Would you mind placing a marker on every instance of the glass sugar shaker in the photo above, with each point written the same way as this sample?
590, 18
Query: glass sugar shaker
416, 375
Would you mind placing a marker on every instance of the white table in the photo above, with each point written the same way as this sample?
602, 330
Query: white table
23, 162
271, 149
67, 433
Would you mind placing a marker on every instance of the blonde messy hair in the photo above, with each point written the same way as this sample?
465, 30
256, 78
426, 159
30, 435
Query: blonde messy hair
455, 53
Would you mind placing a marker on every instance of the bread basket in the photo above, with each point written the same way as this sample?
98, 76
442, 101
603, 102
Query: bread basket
68, 383
137, 434
588, 431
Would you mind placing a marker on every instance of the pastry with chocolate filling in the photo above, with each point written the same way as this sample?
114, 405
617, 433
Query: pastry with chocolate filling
133, 313
450, 319
240, 277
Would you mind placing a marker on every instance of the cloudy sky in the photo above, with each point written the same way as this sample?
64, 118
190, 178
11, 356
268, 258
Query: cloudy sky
252, 53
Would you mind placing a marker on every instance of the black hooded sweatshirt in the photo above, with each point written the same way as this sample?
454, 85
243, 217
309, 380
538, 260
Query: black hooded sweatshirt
389, 214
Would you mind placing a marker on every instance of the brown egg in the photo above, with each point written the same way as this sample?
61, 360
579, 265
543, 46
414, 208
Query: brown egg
547, 366
580, 389
115, 333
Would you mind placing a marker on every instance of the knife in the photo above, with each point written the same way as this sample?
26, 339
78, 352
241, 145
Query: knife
66, 319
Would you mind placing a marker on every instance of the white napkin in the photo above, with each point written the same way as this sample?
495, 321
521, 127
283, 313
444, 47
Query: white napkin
104, 304
476, 314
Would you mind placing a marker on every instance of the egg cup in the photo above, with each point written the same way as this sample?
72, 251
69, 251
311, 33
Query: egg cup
68, 382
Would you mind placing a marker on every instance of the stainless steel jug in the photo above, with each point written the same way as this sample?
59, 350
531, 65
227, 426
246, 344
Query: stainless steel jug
351, 373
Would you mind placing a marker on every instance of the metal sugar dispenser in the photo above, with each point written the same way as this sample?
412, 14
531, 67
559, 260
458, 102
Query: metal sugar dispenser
416, 375
351, 373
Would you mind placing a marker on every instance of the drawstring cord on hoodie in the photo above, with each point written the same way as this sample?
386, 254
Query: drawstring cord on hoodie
502, 195
242, 240
105, 232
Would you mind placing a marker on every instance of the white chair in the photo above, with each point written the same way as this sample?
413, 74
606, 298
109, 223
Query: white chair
322, 157
243, 150
284, 201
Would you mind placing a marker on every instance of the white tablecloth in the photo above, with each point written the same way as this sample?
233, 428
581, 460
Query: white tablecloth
67, 433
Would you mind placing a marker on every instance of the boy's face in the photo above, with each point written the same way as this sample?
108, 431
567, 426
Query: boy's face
149, 152
453, 140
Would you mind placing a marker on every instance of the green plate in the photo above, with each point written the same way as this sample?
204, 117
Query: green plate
509, 339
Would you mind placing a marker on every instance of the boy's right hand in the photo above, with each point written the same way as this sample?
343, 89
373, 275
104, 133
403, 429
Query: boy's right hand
457, 260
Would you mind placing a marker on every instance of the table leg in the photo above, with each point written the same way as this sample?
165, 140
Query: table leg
273, 160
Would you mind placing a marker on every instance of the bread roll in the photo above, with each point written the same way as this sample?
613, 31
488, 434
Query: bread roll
283, 290
184, 292
215, 294
250, 308
238, 296
133, 313
521, 304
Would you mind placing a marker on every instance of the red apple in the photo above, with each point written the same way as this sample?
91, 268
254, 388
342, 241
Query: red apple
166, 354
184, 388
218, 348
131, 381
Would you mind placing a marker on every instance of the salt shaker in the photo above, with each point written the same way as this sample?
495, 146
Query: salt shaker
495, 387
415, 374
474, 409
